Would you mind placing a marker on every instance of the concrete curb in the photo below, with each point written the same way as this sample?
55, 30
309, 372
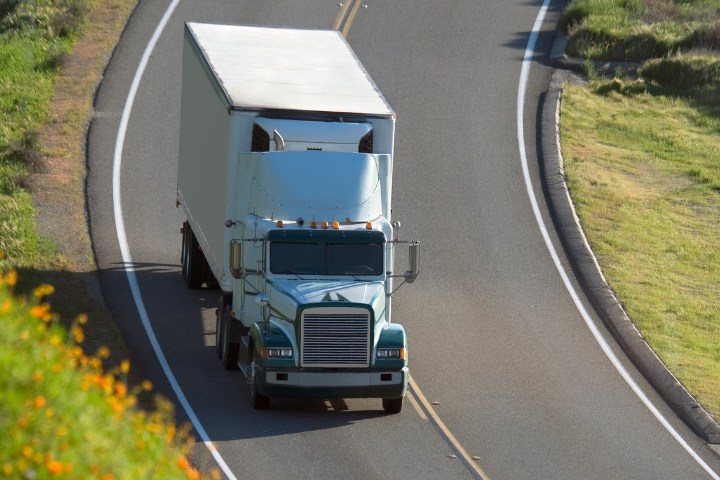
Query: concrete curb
596, 288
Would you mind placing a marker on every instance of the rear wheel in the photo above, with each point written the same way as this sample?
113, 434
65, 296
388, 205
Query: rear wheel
392, 405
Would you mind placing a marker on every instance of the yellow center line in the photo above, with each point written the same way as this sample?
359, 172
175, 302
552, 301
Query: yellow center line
417, 406
344, 7
468, 460
351, 17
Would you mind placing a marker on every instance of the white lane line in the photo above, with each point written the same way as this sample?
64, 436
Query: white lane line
527, 61
125, 249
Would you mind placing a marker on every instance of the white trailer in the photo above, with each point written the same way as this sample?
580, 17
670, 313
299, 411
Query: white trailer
285, 178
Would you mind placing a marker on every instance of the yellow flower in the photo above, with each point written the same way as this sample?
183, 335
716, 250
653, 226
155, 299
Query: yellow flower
82, 319
78, 334
11, 278
147, 385
125, 366
103, 352
43, 291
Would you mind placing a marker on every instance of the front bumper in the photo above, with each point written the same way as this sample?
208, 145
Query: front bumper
332, 383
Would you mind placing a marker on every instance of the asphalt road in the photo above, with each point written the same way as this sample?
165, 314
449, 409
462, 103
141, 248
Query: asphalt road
498, 348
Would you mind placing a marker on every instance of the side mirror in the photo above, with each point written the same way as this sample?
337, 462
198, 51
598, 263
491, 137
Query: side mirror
414, 260
236, 255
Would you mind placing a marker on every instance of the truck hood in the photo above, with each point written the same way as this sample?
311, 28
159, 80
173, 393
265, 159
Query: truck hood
286, 295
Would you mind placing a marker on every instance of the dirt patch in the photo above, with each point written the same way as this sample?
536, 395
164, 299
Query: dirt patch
58, 186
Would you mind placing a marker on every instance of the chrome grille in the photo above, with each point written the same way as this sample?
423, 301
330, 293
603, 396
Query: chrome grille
335, 337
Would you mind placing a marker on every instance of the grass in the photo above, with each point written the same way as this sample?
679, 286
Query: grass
640, 29
644, 174
642, 162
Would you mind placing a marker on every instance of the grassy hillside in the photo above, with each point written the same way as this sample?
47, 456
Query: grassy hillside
642, 160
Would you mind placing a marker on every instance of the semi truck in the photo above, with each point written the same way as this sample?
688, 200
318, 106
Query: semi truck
285, 181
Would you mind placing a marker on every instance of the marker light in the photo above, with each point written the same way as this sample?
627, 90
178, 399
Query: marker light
279, 224
336, 225
313, 224
368, 225
325, 225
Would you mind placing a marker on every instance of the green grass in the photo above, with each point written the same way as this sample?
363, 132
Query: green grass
640, 29
644, 174
29, 58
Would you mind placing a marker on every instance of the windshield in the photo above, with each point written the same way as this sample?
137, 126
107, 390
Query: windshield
326, 258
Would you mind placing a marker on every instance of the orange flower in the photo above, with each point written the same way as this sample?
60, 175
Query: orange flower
120, 389
39, 401
183, 462
54, 467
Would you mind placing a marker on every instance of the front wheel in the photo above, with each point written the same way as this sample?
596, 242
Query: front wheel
226, 350
392, 405
258, 401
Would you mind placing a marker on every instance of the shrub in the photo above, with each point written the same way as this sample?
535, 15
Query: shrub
62, 416
683, 72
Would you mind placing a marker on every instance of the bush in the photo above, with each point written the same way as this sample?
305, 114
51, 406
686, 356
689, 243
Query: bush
62, 416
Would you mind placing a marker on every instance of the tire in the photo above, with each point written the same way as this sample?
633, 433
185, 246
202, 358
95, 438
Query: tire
192, 259
227, 350
219, 328
392, 405
258, 401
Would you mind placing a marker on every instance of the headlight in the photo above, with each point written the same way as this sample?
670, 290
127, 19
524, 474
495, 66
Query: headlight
390, 353
279, 353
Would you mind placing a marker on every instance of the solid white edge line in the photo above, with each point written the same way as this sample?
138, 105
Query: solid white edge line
527, 60
125, 249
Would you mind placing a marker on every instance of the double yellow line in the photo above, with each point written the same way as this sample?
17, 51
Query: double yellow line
422, 405
343, 22
346, 16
